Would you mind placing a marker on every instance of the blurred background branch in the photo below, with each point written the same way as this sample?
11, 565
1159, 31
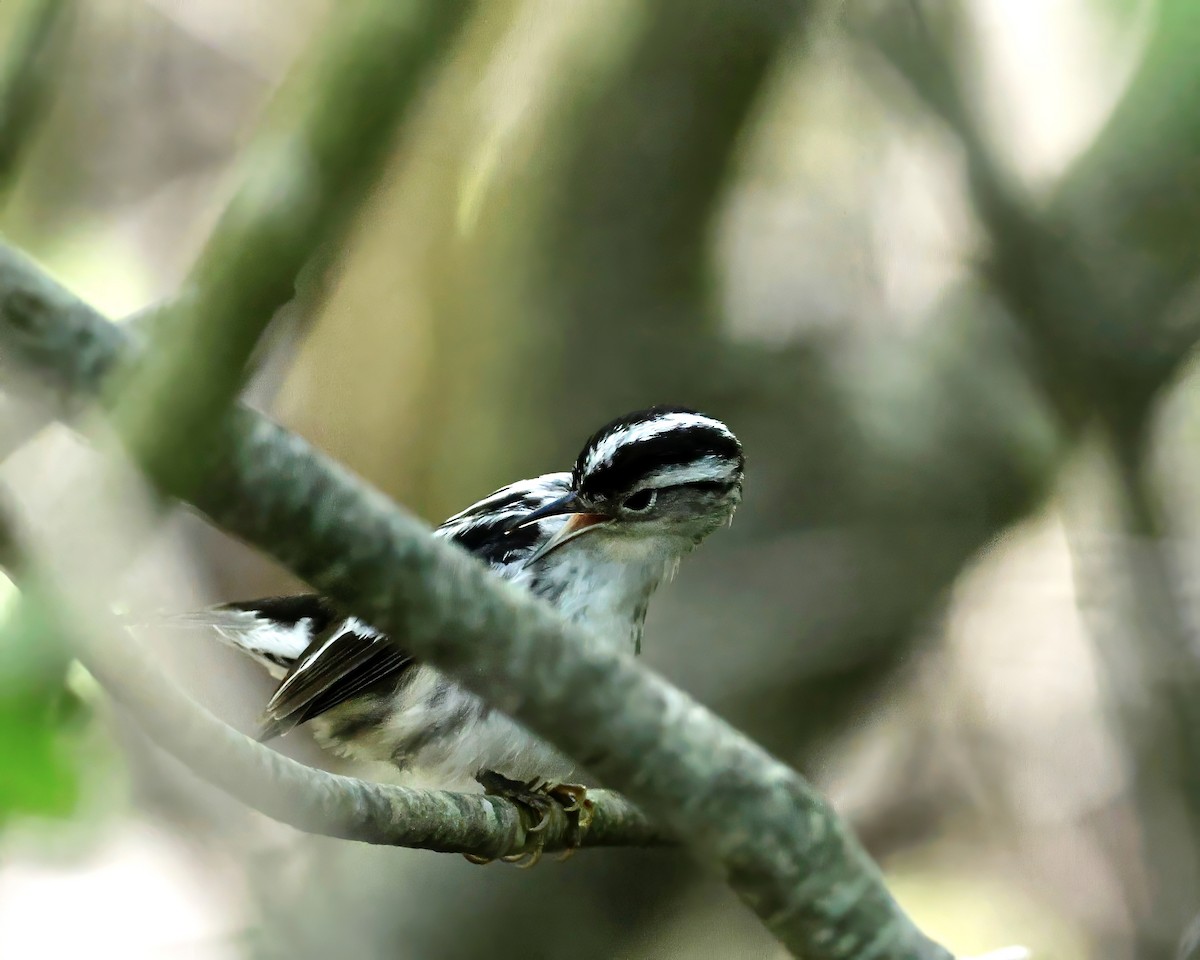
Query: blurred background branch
1103, 295
305, 178
28, 75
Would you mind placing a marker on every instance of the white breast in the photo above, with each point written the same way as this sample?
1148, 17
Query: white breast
605, 584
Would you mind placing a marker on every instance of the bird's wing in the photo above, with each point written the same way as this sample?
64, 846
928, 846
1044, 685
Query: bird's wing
483, 528
346, 657
345, 660
275, 631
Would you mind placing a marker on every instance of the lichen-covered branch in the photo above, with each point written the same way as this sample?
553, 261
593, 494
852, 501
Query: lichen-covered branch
337, 806
742, 812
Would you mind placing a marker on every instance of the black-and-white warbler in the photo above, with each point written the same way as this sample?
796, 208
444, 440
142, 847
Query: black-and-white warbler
595, 542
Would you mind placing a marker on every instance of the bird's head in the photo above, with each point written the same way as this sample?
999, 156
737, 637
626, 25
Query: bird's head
660, 479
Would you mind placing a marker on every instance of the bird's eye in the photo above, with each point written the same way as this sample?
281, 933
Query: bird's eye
639, 502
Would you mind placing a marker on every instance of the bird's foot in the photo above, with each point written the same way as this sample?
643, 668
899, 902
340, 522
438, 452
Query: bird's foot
539, 797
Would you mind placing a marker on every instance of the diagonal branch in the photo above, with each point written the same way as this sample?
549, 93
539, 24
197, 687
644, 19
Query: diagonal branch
741, 811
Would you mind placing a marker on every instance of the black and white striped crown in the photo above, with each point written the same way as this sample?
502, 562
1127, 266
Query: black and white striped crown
659, 447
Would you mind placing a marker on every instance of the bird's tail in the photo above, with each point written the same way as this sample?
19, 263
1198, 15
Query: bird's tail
274, 631
273, 643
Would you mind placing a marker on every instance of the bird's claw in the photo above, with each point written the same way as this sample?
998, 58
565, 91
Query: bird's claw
539, 797
574, 800
527, 859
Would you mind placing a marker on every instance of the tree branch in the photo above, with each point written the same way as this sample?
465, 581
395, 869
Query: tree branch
323, 803
742, 812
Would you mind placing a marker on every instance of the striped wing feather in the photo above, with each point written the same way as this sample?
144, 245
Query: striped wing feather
345, 657
338, 664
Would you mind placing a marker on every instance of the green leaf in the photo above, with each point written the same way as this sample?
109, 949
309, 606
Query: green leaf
39, 759
38, 772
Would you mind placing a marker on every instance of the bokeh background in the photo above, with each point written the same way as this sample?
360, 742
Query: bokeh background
936, 600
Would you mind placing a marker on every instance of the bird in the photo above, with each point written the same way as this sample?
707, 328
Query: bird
595, 542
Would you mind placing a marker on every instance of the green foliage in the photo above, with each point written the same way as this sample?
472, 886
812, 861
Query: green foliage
39, 761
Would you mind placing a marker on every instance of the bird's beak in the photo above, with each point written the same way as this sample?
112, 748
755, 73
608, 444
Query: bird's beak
581, 521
